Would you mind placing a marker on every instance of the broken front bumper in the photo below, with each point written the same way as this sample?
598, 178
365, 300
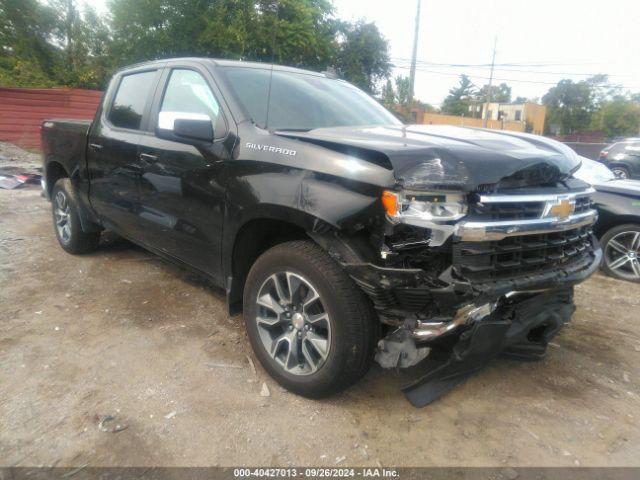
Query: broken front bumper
515, 317
500, 279
400, 295
520, 328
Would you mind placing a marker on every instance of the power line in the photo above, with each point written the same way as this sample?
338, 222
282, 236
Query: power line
536, 72
547, 72
506, 64
514, 80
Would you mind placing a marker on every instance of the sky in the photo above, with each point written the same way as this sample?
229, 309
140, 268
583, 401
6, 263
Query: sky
539, 42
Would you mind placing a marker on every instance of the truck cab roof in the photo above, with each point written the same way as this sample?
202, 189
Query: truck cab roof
217, 62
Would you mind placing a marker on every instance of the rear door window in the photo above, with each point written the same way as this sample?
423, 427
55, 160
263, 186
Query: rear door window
130, 100
633, 149
616, 149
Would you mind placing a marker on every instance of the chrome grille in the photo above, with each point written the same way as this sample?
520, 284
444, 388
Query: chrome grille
520, 210
510, 236
497, 216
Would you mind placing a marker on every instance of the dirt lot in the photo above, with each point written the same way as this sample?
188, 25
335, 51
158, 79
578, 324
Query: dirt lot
122, 333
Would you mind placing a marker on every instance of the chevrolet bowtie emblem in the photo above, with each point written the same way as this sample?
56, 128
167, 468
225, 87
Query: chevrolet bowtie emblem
562, 209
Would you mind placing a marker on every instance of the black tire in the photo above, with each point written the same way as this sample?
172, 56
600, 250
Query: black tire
351, 318
622, 234
68, 229
621, 172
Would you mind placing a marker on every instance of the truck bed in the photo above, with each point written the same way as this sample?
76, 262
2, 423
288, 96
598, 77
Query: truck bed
66, 141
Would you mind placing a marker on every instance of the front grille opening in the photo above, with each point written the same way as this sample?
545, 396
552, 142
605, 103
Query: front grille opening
515, 257
508, 211
583, 204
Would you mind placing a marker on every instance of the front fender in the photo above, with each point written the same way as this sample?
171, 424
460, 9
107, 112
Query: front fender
305, 198
308, 201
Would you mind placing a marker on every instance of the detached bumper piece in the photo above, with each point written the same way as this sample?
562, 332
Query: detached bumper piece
520, 328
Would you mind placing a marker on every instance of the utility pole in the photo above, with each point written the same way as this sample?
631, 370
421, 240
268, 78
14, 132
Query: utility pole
414, 56
486, 108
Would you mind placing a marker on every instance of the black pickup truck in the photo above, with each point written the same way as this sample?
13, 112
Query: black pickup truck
340, 233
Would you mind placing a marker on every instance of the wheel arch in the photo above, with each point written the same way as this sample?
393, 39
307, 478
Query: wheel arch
622, 164
263, 230
273, 205
53, 172
615, 221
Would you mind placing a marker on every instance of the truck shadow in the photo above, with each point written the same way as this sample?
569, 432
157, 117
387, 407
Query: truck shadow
112, 243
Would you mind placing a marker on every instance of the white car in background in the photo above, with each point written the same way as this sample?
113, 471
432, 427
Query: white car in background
593, 172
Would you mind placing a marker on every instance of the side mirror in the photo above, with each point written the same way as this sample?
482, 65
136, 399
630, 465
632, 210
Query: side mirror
185, 127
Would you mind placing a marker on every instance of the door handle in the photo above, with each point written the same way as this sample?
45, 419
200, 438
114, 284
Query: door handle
148, 157
95, 146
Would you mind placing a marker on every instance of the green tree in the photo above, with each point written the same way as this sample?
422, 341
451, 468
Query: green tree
427, 107
96, 37
403, 87
305, 34
527, 100
57, 43
363, 55
499, 93
388, 95
593, 104
396, 99
84, 52
619, 116
293, 32
570, 105
26, 56
50, 44
460, 97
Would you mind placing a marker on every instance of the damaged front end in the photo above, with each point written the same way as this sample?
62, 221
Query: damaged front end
474, 248
462, 278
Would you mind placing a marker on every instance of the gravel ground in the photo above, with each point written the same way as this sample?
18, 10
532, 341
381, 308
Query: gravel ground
121, 333
15, 158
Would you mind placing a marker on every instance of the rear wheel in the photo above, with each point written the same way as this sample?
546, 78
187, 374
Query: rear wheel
66, 221
621, 248
309, 325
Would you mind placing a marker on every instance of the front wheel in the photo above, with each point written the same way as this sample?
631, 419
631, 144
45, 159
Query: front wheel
66, 221
621, 173
621, 252
309, 325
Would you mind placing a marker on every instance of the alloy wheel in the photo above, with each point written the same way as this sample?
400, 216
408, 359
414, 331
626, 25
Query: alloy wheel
293, 324
620, 173
622, 255
62, 213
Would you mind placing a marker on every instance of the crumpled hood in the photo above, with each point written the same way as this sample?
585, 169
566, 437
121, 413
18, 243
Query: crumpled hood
441, 156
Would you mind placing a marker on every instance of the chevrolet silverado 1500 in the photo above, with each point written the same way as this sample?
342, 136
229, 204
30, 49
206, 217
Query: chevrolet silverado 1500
340, 233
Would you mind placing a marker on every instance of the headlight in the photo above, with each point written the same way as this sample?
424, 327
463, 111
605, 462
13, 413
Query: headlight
419, 207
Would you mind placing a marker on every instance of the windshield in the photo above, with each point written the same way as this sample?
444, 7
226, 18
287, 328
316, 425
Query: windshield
301, 101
